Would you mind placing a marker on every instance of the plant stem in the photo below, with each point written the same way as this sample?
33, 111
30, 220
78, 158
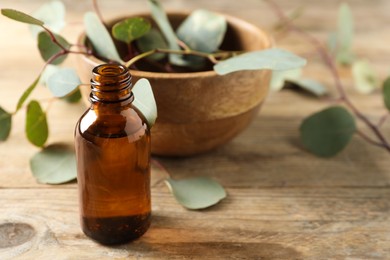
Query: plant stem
328, 60
210, 57
53, 38
97, 10
382, 120
161, 167
89, 51
368, 139
51, 101
183, 45
53, 58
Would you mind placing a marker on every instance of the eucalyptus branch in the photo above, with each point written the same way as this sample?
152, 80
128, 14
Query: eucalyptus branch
53, 38
212, 57
368, 139
53, 58
328, 60
97, 10
183, 45
162, 168
49, 61
88, 50
382, 120
50, 103
62, 53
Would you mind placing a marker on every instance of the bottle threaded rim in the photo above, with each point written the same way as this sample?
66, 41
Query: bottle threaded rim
110, 83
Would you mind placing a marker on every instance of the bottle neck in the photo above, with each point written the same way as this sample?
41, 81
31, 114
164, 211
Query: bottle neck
111, 84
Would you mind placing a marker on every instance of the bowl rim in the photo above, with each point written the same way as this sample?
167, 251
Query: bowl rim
239, 22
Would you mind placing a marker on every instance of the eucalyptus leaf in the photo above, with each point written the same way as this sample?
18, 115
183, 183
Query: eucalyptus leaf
130, 29
73, 97
345, 57
160, 17
27, 93
63, 82
100, 37
279, 77
386, 93
345, 35
150, 41
5, 124
48, 71
364, 76
21, 17
202, 25
36, 125
327, 132
332, 42
312, 86
54, 165
272, 59
196, 193
47, 48
144, 101
345, 27
52, 14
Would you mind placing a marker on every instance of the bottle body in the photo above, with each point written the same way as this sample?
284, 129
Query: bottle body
112, 144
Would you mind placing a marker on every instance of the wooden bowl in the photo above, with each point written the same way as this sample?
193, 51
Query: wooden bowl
198, 111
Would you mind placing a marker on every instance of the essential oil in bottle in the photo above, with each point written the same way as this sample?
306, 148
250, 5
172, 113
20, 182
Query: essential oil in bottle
112, 143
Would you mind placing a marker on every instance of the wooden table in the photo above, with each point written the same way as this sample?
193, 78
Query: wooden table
282, 203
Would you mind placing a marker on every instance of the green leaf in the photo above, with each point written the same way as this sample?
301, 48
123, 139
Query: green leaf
100, 37
52, 14
196, 193
63, 82
21, 17
130, 29
49, 70
272, 59
327, 132
73, 97
364, 76
345, 27
345, 35
279, 77
160, 17
386, 93
150, 41
27, 93
54, 165
36, 125
345, 57
144, 101
48, 48
312, 86
201, 25
332, 42
5, 124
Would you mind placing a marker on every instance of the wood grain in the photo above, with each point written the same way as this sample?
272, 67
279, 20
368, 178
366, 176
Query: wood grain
282, 203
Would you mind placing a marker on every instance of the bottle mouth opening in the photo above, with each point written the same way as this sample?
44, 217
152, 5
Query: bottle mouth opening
110, 70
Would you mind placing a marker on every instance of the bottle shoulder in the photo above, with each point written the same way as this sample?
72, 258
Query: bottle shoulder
108, 123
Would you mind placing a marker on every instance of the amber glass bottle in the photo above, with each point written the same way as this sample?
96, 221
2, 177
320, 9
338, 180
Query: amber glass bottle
112, 143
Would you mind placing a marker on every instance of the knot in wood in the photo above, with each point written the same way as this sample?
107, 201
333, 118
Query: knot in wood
14, 234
